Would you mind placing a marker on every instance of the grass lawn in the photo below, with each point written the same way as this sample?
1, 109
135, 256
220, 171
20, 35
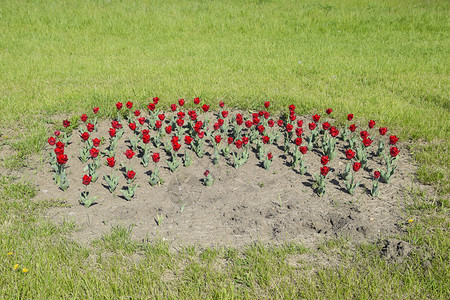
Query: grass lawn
386, 60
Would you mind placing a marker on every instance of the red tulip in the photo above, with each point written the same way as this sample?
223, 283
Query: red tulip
316, 118
206, 173
350, 117
238, 144
132, 126
298, 141
299, 123
394, 151
356, 166
364, 134
158, 124
224, 113
372, 124
334, 131
245, 140
129, 104
61, 159
87, 179
119, 105
155, 100
376, 174
326, 126
95, 110
230, 140
146, 138
393, 140
329, 111
383, 130
367, 142
111, 161
269, 156
303, 149
181, 115
324, 160
352, 127
112, 132
312, 126
57, 132
271, 123
197, 100
280, 123
59, 151
350, 153
60, 145
324, 171
90, 127
51, 141
291, 107
151, 106
94, 152
217, 139
131, 174
180, 122
141, 120
129, 153
83, 117
289, 127
155, 157
221, 104
181, 102
66, 123
137, 113
266, 104
265, 139
96, 142
188, 140
173, 107
168, 129
205, 107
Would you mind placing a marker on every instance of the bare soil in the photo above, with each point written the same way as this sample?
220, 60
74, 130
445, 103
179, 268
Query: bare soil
242, 206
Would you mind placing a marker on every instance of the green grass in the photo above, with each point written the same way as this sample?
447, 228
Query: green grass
381, 60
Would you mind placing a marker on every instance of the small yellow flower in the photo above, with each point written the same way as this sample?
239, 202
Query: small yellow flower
25, 270
410, 220
10, 253
16, 266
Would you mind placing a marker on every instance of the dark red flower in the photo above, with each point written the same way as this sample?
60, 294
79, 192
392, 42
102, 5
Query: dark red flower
298, 141
132, 126
129, 105
181, 115
90, 127
87, 179
230, 140
256, 121
59, 151
193, 115
61, 159
141, 120
111, 161
265, 139
206, 173
372, 124
129, 153
364, 134
51, 141
119, 105
60, 144
298, 131
174, 139
299, 123
383, 130
289, 127
221, 104
220, 122
96, 142
260, 129
197, 100
201, 134
248, 123
324, 171
216, 126
151, 106
316, 118
57, 132
158, 124
116, 125
271, 123
224, 113
83, 117
131, 174
137, 113
303, 149
350, 153
238, 144
245, 140
367, 142
291, 107
112, 132
352, 127
217, 139
176, 146
168, 129
95, 110
146, 138
356, 166
239, 119
329, 111
269, 156
155, 100
181, 102
326, 126
376, 174
205, 107
394, 151
266, 115
350, 117
266, 104
155, 157
180, 122
145, 131
292, 117
312, 126
334, 131
324, 160
173, 107
393, 140
280, 123
188, 139
66, 123
94, 152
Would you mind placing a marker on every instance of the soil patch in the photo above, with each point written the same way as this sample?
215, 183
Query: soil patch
242, 206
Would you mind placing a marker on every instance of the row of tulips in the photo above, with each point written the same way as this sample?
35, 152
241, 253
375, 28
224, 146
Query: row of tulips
231, 137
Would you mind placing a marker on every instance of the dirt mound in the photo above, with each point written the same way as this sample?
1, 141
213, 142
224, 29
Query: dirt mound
242, 206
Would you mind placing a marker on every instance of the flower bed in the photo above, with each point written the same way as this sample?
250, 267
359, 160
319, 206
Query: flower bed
183, 133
